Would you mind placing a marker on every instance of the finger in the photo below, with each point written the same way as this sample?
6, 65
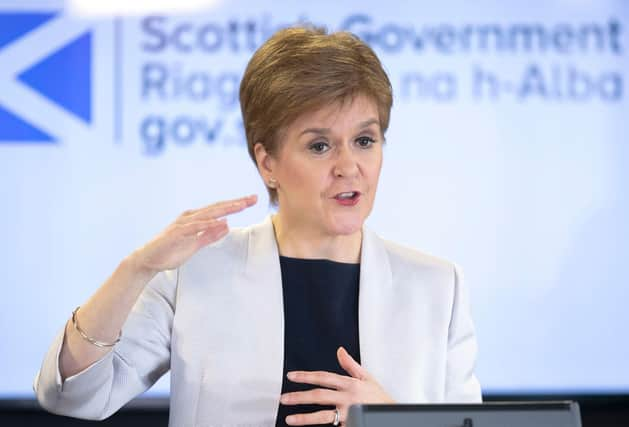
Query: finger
319, 417
211, 235
219, 209
223, 208
197, 228
245, 199
351, 366
318, 396
214, 212
321, 378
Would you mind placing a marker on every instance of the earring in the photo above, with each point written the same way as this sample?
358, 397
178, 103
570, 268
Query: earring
272, 183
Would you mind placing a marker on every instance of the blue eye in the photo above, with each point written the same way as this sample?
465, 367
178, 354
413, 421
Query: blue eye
319, 147
365, 142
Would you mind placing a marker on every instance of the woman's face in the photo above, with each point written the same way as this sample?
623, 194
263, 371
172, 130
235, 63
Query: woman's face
328, 165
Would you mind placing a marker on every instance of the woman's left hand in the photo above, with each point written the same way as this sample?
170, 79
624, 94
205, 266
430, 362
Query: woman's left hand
340, 391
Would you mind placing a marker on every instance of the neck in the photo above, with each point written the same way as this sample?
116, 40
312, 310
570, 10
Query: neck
298, 240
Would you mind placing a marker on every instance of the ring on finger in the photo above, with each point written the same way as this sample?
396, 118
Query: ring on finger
337, 417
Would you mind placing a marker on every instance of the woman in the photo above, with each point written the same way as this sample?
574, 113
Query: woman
260, 326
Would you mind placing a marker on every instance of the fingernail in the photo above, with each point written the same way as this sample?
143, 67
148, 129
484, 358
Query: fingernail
291, 375
284, 399
290, 419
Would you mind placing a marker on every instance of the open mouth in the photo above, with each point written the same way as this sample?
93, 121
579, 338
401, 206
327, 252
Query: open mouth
347, 196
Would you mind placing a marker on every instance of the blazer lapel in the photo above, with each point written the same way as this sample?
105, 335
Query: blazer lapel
376, 304
263, 286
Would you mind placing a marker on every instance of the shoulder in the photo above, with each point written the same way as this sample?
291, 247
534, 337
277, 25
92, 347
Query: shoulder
232, 243
232, 251
405, 257
409, 265
224, 252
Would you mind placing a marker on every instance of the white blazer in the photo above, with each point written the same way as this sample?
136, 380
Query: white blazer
218, 324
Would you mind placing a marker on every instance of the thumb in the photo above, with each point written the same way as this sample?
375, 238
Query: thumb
350, 366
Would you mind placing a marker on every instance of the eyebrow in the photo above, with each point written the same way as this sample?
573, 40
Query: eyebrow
323, 131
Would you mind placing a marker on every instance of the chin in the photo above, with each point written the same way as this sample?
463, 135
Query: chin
345, 225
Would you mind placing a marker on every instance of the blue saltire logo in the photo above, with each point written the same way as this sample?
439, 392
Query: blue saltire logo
63, 76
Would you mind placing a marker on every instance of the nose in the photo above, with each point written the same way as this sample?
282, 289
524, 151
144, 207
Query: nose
346, 165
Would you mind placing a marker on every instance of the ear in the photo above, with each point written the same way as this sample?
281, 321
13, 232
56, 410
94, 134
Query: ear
264, 161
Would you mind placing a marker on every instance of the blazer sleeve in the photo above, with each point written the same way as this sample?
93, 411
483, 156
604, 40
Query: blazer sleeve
140, 358
462, 386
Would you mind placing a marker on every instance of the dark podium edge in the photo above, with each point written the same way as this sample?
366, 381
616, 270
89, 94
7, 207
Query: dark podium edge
597, 410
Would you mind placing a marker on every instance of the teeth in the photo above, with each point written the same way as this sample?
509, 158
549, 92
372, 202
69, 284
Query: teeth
346, 195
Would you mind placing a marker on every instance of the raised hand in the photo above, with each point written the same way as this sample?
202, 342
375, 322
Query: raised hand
191, 231
339, 390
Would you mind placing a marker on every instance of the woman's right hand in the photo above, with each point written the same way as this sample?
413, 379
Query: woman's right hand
191, 231
104, 314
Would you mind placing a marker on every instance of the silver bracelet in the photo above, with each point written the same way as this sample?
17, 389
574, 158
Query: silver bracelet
97, 343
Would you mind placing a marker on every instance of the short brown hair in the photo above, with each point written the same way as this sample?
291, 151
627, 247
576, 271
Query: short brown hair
301, 69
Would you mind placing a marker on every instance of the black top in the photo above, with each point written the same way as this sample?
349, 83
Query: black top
320, 315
